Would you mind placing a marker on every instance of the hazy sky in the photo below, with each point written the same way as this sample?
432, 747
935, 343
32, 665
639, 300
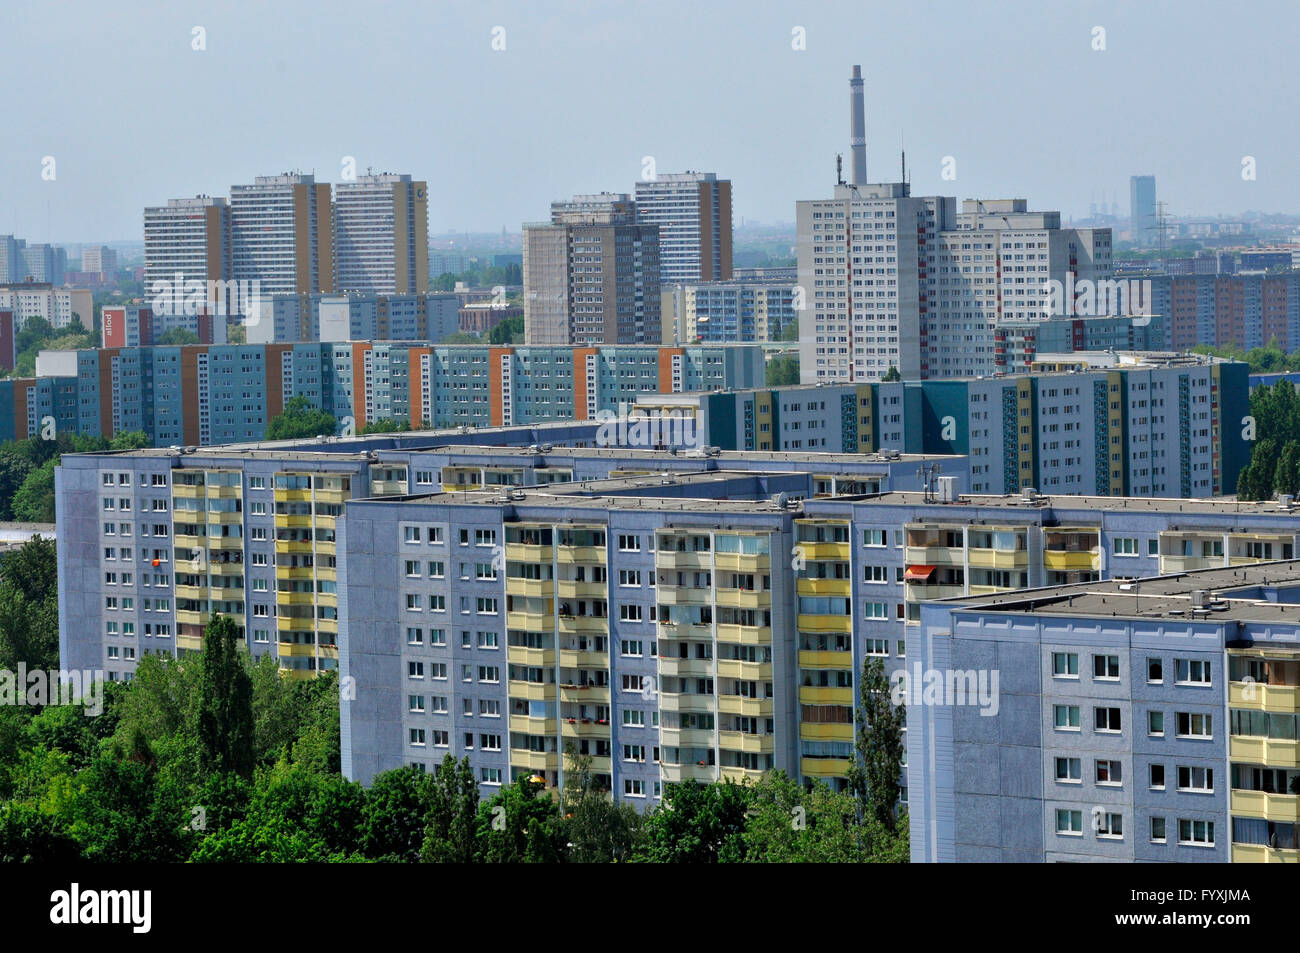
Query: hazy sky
1014, 92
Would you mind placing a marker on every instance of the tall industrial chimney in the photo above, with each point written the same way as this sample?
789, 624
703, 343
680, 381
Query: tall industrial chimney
858, 128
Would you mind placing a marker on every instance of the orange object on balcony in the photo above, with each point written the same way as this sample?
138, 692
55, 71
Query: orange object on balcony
918, 573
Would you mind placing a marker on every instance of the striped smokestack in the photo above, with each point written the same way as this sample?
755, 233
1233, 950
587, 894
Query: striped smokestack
858, 128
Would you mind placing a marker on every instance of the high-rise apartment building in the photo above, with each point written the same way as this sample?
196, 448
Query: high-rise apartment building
381, 235
1142, 209
591, 274
746, 311
282, 234
98, 259
186, 240
693, 213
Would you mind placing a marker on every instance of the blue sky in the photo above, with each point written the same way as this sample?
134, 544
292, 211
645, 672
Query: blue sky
1013, 91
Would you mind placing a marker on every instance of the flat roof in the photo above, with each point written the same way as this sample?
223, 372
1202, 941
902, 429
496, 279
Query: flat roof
1015, 503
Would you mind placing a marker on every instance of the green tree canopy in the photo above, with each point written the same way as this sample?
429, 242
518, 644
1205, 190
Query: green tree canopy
300, 420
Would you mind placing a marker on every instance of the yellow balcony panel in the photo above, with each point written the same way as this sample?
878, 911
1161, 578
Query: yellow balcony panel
191, 592
577, 658
226, 593
186, 491
585, 693
685, 701
683, 596
387, 487
672, 559
998, 558
810, 731
580, 554
1274, 752
1254, 695
189, 617
327, 625
578, 728
522, 655
525, 725
294, 572
536, 588
739, 705
933, 555
285, 547
672, 773
825, 695
747, 671
218, 517
532, 691
327, 651
534, 760
327, 572
1261, 854
825, 623
809, 659
824, 767
296, 674
824, 587
601, 765
686, 667
189, 540
223, 492
293, 520
812, 551
920, 592
1060, 560
740, 775
574, 624
1272, 807
744, 741
738, 562
745, 634
686, 737
986, 590
286, 496
189, 642
294, 598
744, 598
530, 621
572, 589
330, 496
528, 553
298, 649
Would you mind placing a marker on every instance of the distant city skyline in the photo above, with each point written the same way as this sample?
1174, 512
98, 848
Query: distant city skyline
511, 139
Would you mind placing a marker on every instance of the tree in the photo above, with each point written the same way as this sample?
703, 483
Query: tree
791, 331
386, 425
29, 606
225, 716
599, 831
129, 440
393, 827
30, 835
123, 813
507, 331
175, 336
892, 374
697, 824
521, 824
787, 824
14, 468
34, 501
301, 419
783, 371
452, 818
875, 771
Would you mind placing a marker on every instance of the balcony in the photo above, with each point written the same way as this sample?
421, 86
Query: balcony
537, 658
686, 737
825, 695
744, 598
809, 731
824, 767
296, 649
1274, 752
998, 558
222, 492
294, 520
527, 725
534, 760
1176, 564
1255, 695
810, 551
584, 658
530, 621
740, 775
743, 634
224, 516
684, 559
583, 728
191, 592
588, 694
1260, 854
532, 691
387, 487
684, 701
299, 495
747, 671
188, 617
529, 553
1066, 560
743, 741
750, 707
294, 598
1273, 807
825, 623
824, 587
579, 624
186, 491
808, 659
687, 772
933, 555
286, 547
685, 667
535, 588
739, 562
569, 555
293, 572
683, 596
921, 592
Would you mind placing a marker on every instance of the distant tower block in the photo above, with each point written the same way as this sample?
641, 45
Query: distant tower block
858, 128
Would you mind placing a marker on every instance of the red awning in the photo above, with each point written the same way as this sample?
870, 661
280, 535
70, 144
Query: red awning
918, 573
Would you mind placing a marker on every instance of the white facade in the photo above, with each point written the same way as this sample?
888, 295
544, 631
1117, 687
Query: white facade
264, 234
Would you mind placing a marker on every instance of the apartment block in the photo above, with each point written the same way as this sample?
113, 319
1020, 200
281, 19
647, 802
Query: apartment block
692, 211
735, 311
289, 318
1144, 720
186, 240
40, 299
1228, 310
591, 275
381, 235
98, 259
282, 234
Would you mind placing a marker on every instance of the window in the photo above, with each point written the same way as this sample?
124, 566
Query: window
1069, 822
1110, 825
873, 537
876, 646
415, 703
415, 670
488, 640
634, 752
1067, 717
489, 673
629, 577
1197, 833
490, 775
437, 569
1069, 770
441, 738
438, 603
414, 636
489, 742
1192, 671
1157, 830
633, 787
1109, 773
487, 606
489, 707
1106, 719
1155, 671
417, 737
1105, 667
1156, 723
1157, 777
632, 648
1199, 780
633, 718
1124, 546
1193, 725
411, 534
629, 613
1065, 664
629, 544
435, 535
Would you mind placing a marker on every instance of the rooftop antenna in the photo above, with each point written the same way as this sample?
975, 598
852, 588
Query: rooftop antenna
839, 168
